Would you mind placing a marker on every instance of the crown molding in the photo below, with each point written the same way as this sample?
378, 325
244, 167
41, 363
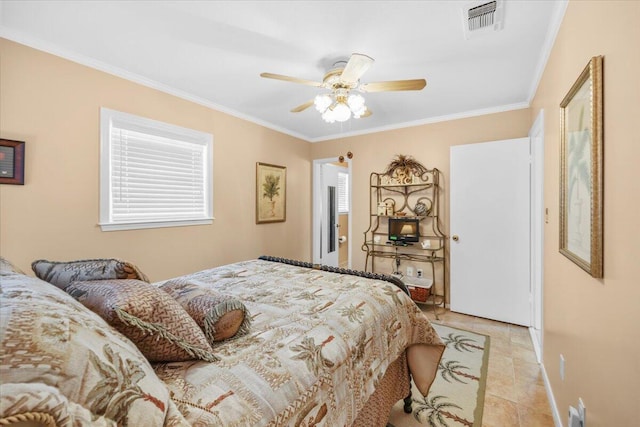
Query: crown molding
53, 49
430, 120
550, 39
47, 47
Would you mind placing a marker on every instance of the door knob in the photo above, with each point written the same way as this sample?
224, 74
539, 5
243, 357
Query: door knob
455, 237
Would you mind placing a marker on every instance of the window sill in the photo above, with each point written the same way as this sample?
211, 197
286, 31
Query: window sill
154, 224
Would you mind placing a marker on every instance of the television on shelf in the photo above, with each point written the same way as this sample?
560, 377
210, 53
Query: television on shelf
404, 230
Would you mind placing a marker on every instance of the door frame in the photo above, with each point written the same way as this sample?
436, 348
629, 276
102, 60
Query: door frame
536, 138
317, 209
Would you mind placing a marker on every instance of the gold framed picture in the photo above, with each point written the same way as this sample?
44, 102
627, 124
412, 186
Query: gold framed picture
271, 193
581, 177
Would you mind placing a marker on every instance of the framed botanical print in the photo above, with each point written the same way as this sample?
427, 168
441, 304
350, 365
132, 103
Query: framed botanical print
581, 177
271, 193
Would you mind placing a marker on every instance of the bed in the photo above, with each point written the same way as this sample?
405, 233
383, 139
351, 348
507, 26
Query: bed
326, 348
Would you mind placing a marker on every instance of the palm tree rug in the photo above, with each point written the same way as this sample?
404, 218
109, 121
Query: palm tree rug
456, 397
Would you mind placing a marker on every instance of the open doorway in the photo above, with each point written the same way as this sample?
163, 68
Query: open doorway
331, 218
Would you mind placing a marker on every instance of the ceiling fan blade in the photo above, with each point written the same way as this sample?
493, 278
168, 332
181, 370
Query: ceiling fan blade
291, 79
358, 65
416, 84
302, 107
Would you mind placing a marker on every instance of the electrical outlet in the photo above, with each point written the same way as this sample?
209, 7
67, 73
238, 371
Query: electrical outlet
562, 367
419, 272
409, 271
582, 412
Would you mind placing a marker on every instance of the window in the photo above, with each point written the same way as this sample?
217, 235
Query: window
343, 192
153, 174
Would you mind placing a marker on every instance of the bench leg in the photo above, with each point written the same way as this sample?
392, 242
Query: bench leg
407, 403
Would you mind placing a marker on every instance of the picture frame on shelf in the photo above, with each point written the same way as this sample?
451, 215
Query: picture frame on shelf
581, 175
11, 162
271, 193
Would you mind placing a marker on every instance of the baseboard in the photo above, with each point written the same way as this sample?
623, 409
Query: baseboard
552, 400
536, 344
547, 384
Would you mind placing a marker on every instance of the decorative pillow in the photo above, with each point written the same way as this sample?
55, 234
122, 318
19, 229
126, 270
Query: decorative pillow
7, 267
220, 316
58, 358
37, 404
156, 323
62, 273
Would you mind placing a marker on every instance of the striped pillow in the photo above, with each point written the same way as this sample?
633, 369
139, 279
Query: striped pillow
61, 273
220, 316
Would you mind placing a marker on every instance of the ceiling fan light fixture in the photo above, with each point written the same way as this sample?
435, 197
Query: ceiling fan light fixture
340, 108
341, 112
356, 102
328, 116
357, 114
322, 102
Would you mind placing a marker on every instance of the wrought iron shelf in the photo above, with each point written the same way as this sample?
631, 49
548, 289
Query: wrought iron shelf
404, 198
406, 256
419, 184
416, 247
405, 216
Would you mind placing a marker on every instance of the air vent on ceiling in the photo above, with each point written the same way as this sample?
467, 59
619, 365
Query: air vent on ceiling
482, 17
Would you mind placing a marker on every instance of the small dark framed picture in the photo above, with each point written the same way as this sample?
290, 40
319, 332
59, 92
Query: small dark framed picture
11, 162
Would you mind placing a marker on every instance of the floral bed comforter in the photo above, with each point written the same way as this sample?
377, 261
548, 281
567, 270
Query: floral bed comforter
318, 345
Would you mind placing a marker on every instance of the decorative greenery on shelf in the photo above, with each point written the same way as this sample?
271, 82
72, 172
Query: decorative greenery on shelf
405, 165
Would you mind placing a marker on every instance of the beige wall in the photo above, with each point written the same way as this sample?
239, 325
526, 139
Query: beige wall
53, 104
429, 144
595, 323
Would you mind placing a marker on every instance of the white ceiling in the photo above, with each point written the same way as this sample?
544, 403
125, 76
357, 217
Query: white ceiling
212, 52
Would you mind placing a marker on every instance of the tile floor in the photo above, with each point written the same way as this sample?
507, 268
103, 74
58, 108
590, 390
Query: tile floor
515, 395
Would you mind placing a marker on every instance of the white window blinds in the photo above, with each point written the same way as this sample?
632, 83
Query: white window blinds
153, 174
343, 192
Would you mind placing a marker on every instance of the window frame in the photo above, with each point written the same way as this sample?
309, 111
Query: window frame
156, 128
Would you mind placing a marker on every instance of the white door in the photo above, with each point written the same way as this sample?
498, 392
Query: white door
489, 227
329, 232
536, 134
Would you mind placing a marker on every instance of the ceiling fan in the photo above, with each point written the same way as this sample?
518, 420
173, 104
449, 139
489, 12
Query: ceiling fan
344, 78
